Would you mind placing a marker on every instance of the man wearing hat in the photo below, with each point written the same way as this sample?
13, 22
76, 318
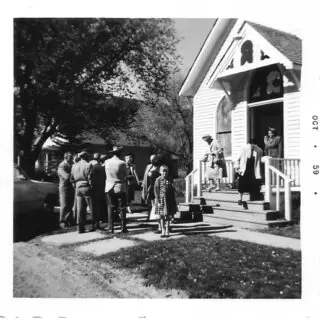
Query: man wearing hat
66, 192
98, 178
116, 173
81, 178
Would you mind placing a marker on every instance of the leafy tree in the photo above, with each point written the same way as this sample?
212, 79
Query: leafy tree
168, 126
68, 71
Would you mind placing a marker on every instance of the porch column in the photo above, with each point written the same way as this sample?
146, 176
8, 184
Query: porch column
267, 195
199, 191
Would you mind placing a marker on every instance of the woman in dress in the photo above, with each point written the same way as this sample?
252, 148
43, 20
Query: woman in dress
215, 157
165, 200
248, 170
272, 144
132, 179
150, 175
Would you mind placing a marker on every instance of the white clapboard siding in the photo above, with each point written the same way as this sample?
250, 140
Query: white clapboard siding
239, 128
292, 126
205, 105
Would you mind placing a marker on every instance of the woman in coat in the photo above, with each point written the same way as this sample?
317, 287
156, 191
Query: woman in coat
150, 175
248, 169
215, 157
132, 179
272, 144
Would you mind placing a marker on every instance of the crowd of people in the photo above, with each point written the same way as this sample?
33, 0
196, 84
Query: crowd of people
247, 165
107, 186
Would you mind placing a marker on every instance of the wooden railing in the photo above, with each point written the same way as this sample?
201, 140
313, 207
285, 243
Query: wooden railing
190, 185
289, 167
230, 171
280, 176
275, 178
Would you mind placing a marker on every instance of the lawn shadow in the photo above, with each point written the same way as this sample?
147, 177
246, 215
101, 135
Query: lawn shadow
26, 229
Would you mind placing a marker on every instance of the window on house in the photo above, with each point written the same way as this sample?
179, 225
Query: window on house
224, 125
266, 84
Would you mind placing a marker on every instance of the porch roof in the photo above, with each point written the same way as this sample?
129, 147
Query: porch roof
288, 44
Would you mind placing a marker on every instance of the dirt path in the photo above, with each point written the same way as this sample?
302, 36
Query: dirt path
49, 272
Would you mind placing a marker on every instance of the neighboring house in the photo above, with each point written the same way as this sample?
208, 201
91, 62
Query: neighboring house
52, 153
246, 78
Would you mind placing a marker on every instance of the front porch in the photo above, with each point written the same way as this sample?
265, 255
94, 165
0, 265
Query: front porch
280, 195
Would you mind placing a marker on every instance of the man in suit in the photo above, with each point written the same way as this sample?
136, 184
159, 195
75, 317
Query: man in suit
116, 173
76, 159
98, 178
81, 178
66, 191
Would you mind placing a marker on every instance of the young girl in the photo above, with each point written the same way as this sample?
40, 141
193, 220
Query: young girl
165, 200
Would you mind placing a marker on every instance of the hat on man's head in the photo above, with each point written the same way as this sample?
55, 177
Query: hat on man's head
96, 156
103, 157
163, 167
83, 154
116, 149
207, 136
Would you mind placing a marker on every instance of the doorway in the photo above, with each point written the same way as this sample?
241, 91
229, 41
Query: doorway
265, 116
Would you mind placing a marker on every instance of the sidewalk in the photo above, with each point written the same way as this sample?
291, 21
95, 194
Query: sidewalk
262, 238
137, 222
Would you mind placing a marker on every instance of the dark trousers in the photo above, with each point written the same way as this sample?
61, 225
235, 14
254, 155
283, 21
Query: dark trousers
84, 199
116, 200
99, 204
66, 195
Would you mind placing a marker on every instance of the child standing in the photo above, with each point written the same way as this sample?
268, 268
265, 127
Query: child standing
165, 200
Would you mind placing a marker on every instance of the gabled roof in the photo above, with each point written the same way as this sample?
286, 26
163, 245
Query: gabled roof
287, 43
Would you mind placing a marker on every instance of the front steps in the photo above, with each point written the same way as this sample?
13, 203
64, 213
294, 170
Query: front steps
222, 207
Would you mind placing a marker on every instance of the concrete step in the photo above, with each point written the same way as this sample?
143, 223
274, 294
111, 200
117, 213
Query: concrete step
251, 205
192, 207
240, 223
225, 195
249, 215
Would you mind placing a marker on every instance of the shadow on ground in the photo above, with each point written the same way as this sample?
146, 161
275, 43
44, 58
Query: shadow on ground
30, 226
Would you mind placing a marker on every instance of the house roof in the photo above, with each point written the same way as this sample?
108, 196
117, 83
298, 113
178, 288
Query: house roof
287, 43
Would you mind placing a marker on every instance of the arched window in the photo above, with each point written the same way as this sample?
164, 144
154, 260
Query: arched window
224, 124
246, 52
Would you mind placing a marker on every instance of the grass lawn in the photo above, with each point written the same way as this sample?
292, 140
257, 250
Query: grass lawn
211, 267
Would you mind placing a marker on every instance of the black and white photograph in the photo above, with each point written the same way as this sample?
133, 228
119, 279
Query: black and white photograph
161, 158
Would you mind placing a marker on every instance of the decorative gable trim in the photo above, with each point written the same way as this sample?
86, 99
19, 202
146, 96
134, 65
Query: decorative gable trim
249, 50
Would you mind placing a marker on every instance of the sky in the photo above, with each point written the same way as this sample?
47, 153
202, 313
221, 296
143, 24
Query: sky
194, 32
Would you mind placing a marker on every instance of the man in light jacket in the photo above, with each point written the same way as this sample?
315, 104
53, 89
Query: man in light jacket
66, 192
81, 178
116, 174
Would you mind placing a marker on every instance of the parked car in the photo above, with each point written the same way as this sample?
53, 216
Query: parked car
32, 200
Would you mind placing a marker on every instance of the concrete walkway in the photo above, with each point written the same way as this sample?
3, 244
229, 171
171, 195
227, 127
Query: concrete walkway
137, 222
262, 238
